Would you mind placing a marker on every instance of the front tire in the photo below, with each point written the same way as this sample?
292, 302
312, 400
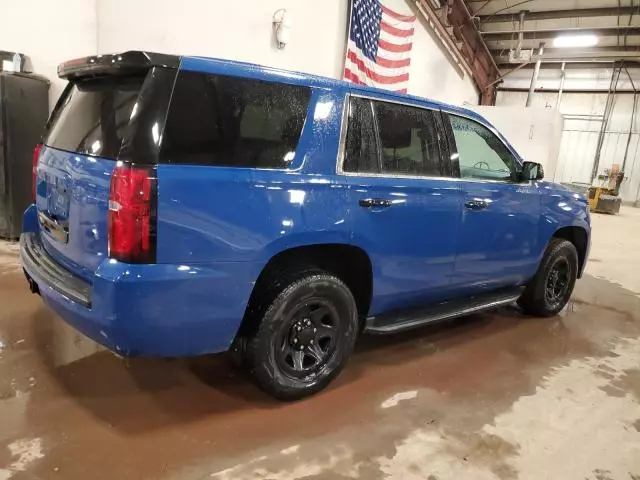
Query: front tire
305, 334
550, 289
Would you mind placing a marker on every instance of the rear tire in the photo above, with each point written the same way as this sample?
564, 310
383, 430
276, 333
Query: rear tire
550, 289
305, 332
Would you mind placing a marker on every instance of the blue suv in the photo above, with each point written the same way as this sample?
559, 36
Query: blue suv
189, 205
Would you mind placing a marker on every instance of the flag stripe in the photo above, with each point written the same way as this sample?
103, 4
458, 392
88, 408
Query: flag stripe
395, 23
393, 56
384, 60
355, 78
363, 80
387, 63
397, 16
387, 37
352, 77
392, 47
391, 69
395, 31
375, 76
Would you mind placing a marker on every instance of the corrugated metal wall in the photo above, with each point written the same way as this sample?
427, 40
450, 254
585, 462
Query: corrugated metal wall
583, 119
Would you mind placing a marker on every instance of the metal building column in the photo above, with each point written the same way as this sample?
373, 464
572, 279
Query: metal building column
632, 121
521, 34
534, 77
563, 76
615, 76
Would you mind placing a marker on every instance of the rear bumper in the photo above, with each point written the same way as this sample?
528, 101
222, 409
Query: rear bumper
159, 309
34, 258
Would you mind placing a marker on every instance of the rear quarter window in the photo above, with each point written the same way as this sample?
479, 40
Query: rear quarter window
94, 114
235, 122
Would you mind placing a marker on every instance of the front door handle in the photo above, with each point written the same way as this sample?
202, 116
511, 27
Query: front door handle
476, 204
374, 202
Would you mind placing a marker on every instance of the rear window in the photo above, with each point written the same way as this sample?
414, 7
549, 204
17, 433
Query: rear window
94, 115
236, 122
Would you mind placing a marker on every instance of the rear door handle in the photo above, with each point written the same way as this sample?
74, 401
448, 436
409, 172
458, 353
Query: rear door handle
476, 204
374, 202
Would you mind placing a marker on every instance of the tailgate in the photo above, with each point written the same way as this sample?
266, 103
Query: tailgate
73, 176
72, 193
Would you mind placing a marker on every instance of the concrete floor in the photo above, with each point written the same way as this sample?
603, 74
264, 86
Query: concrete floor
496, 396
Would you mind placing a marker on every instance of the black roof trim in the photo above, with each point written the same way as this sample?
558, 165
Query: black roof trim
115, 63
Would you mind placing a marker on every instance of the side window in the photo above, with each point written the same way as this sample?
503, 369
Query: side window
408, 140
360, 148
235, 122
481, 154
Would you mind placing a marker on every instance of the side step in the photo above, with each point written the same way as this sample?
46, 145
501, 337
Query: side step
416, 317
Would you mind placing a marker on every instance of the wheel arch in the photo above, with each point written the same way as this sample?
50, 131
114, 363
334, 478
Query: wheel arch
579, 237
348, 262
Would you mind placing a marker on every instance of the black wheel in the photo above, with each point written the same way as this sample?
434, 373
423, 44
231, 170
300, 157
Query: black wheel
304, 336
551, 287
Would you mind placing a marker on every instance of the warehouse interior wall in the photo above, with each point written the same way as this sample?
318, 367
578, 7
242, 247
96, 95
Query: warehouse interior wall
243, 31
583, 114
49, 32
66, 29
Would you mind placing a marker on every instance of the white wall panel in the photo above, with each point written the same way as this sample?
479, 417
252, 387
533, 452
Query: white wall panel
49, 32
234, 30
580, 135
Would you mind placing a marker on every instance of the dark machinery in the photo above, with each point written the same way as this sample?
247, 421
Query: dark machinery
24, 108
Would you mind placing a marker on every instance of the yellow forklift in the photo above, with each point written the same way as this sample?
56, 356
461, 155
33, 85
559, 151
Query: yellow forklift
605, 198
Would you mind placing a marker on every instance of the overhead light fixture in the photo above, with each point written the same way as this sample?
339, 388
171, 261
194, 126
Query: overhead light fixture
568, 41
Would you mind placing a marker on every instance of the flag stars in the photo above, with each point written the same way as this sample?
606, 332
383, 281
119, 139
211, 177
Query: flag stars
365, 26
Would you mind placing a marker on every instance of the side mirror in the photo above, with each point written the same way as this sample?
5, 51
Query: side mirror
531, 171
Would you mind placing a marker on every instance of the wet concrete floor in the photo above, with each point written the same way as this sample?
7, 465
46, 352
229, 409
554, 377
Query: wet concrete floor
495, 396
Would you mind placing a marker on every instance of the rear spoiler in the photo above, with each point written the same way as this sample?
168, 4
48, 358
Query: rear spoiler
114, 64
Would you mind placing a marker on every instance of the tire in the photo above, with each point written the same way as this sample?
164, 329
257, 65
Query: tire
306, 330
551, 287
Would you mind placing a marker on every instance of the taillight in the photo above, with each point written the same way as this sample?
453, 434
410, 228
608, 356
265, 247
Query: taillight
132, 214
34, 170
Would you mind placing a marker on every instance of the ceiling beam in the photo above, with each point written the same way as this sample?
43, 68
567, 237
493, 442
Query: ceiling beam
569, 56
606, 43
558, 14
552, 32
555, 90
576, 65
558, 52
457, 29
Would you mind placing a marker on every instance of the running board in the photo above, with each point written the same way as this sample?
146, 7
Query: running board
416, 317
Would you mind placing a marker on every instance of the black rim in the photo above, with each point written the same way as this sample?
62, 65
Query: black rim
558, 282
308, 338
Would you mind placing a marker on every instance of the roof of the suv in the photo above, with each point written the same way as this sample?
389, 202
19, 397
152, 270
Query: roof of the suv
135, 59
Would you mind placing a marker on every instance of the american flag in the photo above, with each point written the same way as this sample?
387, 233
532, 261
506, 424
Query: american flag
379, 46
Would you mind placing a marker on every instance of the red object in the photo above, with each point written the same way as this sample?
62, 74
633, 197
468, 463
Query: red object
131, 214
34, 170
